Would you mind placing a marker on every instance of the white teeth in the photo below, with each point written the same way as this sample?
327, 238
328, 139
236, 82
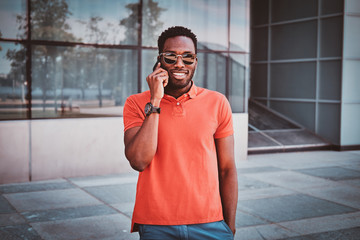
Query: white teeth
179, 74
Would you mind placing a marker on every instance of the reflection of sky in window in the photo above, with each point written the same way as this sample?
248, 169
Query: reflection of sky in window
9, 9
239, 25
206, 18
112, 11
4, 62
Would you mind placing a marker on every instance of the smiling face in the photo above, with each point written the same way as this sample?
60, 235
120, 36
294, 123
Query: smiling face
180, 75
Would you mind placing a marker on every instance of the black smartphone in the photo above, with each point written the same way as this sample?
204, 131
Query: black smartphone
155, 64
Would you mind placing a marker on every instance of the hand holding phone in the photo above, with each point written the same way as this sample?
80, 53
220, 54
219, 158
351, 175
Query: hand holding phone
155, 65
157, 81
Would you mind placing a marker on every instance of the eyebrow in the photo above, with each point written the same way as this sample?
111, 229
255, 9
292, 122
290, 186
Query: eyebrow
182, 53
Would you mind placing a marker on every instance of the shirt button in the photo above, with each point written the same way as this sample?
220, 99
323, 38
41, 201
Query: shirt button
178, 103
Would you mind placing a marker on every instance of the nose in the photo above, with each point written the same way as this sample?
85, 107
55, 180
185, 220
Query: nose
179, 62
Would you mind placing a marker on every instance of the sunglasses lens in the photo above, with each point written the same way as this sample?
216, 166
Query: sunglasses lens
171, 58
188, 59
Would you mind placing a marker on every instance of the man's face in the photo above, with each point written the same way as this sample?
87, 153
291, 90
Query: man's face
180, 74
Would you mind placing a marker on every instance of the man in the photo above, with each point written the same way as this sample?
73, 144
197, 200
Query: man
180, 138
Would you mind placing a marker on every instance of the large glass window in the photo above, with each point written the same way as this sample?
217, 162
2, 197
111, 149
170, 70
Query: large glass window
12, 18
80, 58
207, 18
104, 22
13, 84
81, 82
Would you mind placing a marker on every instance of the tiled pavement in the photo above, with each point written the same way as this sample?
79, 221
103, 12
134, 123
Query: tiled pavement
293, 196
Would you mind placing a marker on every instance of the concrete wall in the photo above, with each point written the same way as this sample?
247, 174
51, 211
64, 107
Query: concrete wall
47, 149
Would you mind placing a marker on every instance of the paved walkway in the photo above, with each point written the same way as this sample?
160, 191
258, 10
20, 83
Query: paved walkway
307, 195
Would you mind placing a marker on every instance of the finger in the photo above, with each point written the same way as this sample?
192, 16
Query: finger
157, 66
165, 82
162, 74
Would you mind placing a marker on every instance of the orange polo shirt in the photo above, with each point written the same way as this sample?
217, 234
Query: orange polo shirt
180, 185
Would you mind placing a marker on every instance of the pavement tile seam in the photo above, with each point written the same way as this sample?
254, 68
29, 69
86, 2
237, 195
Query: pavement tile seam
95, 227
252, 194
331, 173
351, 183
255, 216
103, 182
258, 169
342, 200
344, 234
306, 193
105, 203
67, 213
265, 231
19, 232
289, 179
11, 219
34, 187
42, 200
323, 224
295, 229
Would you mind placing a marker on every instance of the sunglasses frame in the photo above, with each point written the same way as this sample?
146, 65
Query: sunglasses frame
179, 55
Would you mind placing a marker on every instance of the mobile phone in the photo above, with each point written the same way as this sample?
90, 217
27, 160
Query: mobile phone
156, 64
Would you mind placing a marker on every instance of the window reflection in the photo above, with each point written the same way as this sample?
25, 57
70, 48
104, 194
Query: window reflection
80, 82
211, 71
238, 74
13, 85
149, 58
69, 81
206, 18
13, 19
105, 22
239, 25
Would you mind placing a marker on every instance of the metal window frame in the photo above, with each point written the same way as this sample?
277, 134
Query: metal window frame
28, 42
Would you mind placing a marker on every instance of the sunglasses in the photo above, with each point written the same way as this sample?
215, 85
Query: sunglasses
171, 58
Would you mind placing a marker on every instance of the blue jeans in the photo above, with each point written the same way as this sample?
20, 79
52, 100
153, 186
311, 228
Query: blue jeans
209, 231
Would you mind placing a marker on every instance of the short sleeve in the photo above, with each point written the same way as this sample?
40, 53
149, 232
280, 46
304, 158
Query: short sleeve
225, 126
133, 114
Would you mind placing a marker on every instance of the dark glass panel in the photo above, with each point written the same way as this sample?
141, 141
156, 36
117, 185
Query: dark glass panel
330, 80
329, 122
293, 80
332, 6
296, 40
331, 37
259, 80
259, 12
259, 44
283, 10
300, 112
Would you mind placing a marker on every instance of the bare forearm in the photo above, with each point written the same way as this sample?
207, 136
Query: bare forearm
229, 195
142, 147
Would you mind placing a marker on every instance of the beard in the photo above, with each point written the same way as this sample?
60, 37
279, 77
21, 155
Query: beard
174, 84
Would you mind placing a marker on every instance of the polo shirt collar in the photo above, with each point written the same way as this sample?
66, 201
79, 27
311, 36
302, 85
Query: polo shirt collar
193, 90
192, 93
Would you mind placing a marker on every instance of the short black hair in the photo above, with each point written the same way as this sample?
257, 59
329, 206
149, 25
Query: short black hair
174, 32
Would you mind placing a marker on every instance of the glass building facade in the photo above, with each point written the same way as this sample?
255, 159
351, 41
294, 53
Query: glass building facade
79, 58
305, 62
